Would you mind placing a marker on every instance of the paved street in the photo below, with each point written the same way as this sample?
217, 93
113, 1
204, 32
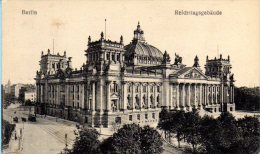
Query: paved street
46, 136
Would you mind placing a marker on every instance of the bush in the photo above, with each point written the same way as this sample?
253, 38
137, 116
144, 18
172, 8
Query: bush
7, 130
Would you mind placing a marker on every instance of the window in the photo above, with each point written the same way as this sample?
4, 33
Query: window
153, 115
129, 88
113, 56
151, 89
108, 56
136, 89
130, 117
118, 120
231, 109
146, 116
144, 88
158, 88
138, 116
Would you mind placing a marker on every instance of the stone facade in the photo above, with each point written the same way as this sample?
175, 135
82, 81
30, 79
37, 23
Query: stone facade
129, 84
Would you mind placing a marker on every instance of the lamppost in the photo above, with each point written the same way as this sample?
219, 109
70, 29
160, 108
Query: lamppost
66, 143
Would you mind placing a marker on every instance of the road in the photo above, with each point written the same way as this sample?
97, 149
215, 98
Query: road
46, 135
41, 137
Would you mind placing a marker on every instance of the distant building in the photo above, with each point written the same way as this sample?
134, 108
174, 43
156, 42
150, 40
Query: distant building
30, 95
27, 92
8, 87
130, 84
15, 90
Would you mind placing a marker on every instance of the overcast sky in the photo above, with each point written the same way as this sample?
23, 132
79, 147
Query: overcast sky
235, 32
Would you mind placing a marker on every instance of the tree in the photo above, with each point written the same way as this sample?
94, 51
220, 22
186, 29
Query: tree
126, 140
249, 128
247, 98
86, 142
209, 132
133, 139
191, 128
176, 123
164, 122
151, 141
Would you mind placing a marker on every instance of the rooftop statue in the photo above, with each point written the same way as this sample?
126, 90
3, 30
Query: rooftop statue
178, 59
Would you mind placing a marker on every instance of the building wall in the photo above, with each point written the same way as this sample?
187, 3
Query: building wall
30, 96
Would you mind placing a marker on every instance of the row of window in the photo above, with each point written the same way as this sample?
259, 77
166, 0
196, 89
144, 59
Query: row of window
138, 117
144, 88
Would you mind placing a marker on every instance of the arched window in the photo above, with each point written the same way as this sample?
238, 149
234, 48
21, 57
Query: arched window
151, 89
128, 101
136, 89
144, 88
137, 104
129, 88
158, 99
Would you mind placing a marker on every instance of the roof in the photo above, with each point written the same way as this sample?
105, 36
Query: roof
142, 49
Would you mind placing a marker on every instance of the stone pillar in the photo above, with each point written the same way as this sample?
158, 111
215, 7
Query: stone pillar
133, 97
195, 97
177, 97
189, 94
216, 94
93, 103
212, 101
155, 95
141, 96
233, 93
148, 95
200, 99
170, 96
108, 101
82, 96
206, 94
183, 96
124, 95
101, 93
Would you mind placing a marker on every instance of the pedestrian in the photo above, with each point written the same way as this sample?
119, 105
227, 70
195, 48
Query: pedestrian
15, 136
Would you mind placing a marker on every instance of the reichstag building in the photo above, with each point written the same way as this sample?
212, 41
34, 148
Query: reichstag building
131, 83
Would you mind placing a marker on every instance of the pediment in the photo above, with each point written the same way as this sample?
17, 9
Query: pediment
193, 73
114, 96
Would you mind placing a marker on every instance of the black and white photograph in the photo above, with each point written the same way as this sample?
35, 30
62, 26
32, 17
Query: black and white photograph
130, 77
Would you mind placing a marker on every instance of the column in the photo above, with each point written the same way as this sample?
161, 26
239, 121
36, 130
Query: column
216, 94
82, 96
155, 95
148, 96
195, 97
233, 98
124, 95
200, 100
133, 97
212, 101
170, 96
93, 103
101, 83
177, 97
141, 96
183, 96
206, 94
189, 106
108, 107
40, 94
